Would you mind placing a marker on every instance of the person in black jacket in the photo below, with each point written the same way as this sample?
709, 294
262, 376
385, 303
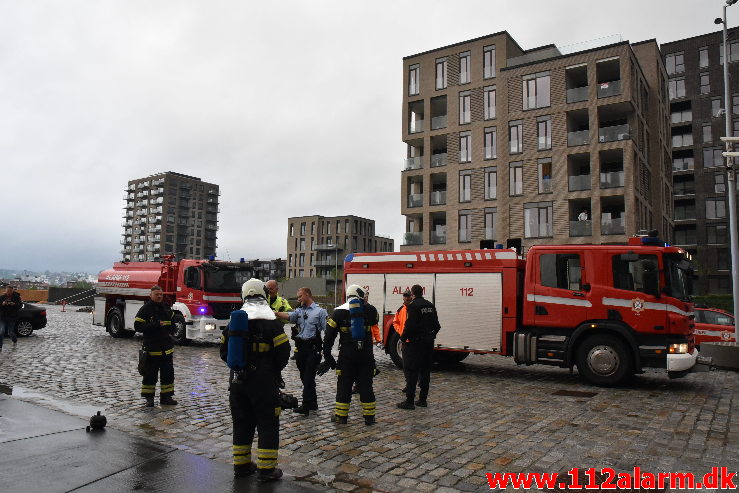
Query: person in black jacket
10, 303
418, 337
154, 320
254, 396
352, 322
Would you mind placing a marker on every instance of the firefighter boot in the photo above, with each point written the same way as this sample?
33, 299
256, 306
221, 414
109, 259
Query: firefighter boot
406, 405
269, 474
369, 420
149, 401
243, 470
339, 419
167, 401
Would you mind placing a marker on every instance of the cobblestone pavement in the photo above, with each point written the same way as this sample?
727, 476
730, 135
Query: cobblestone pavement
485, 415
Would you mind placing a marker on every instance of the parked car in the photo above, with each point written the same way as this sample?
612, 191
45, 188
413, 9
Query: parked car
713, 325
30, 318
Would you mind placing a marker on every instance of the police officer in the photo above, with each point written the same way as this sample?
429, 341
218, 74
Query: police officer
418, 336
154, 320
352, 322
309, 320
254, 384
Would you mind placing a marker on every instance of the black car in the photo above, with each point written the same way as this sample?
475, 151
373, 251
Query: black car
30, 318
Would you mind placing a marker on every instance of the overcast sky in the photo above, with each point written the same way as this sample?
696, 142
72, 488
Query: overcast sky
292, 107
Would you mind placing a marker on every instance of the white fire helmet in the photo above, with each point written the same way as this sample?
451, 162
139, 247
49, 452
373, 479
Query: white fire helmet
354, 291
253, 287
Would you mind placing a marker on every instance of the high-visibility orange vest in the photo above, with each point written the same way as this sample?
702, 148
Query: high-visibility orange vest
399, 319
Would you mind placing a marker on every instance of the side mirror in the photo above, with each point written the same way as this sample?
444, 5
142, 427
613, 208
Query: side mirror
586, 287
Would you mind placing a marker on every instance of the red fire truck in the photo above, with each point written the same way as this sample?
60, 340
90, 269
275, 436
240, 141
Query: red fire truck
203, 293
610, 310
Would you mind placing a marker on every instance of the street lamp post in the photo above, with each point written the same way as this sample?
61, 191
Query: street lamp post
731, 177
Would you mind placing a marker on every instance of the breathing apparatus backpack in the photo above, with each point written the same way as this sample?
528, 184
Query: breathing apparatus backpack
238, 329
356, 315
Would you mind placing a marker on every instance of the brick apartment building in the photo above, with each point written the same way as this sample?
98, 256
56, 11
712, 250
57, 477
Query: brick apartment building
696, 91
539, 146
169, 213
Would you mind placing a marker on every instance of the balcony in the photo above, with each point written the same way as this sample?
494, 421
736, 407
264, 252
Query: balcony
545, 185
326, 247
579, 182
577, 138
577, 94
608, 89
415, 200
328, 263
415, 126
438, 160
438, 122
413, 238
612, 179
413, 163
614, 133
438, 197
438, 238
581, 228
613, 226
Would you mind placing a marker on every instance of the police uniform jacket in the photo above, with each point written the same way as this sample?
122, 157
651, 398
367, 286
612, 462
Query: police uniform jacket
157, 336
419, 333
340, 324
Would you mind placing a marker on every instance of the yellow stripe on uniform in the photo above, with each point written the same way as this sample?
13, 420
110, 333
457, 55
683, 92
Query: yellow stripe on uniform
331, 323
261, 347
168, 388
280, 339
369, 408
278, 411
342, 409
166, 322
137, 319
148, 389
266, 458
242, 454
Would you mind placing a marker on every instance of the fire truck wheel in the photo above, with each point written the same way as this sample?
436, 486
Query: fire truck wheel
395, 349
180, 330
115, 325
604, 360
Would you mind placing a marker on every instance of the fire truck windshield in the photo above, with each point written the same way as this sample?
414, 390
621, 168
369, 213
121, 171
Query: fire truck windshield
679, 273
226, 281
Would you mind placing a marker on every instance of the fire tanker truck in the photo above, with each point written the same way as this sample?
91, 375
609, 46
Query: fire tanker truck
203, 293
610, 310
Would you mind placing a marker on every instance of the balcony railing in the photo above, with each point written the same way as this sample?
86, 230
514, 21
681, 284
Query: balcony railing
614, 133
438, 238
327, 263
579, 182
414, 163
412, 238
577, 94
577, 138
326, 246
612, 88
546, 186
613, 226
415, 200
438, 197
683, 165
438, 159
438, 122
612, 180
415, 126
581, 228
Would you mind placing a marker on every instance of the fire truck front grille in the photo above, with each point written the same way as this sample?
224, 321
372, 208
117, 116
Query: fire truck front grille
222, 311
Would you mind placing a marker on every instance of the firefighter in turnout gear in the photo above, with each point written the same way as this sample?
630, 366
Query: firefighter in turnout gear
352, 322
256, 350
154, 320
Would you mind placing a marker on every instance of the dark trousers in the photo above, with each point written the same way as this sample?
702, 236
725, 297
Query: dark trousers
422, 377
359, 368
307, 358
255, 410
7, 327
156, 366
417, 359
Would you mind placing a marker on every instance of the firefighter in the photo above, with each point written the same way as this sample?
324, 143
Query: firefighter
352, 322
256, 354
418, 336
154, 320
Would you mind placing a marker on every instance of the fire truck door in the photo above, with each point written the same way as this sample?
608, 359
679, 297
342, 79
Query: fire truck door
397, 284
559, 295
374, 284
470, 310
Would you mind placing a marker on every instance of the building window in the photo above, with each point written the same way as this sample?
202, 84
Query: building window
722, 259
302, 260
515, 173
292, 226
712, 157
312, 228
538, 220
536, 90
716, 107
465, 186
683, 116
682, 140
489, 102
413, 79
733, 52
465, 115
544, 132
302, 229
707, 137
464, 226
464, 67
715, 208
302, 244
719, 182
488, 62
674, 63
716, 234
735, 104
465, 147
676, 88
490, 217
441, 73
703, 58
515, 136
705, 83
491, 183
491, 143
545, 175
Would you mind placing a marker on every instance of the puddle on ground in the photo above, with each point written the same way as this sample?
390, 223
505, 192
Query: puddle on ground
68, 407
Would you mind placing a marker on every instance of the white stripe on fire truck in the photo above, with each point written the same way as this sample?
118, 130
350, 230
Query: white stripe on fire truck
648, 305
131, 291
558, 301
221, 298
384, 258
